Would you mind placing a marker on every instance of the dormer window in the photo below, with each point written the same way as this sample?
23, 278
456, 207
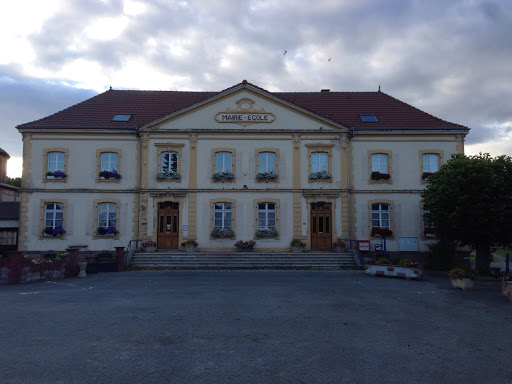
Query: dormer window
368, 118
122, 117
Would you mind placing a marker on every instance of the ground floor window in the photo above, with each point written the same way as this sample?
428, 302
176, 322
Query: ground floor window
380, 216
222, 215
53, 215
107, 218
266, 215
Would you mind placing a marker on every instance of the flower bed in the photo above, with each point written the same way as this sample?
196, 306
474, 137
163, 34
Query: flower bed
383, 267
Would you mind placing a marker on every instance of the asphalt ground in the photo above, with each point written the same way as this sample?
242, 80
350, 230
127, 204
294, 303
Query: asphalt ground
254, 327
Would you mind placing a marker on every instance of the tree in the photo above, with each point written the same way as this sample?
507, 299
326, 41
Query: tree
469, 201
15, 181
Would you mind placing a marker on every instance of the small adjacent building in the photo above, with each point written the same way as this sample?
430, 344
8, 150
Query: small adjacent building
9, 209
240, 164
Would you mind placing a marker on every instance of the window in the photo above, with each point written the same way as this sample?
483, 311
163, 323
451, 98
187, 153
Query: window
319, 162
266, 215
222, 215
430, 162
109, 162
169, 162
428, 226
320, 155
368, 118
56, 161
122, 117
223, 162
53, 216
267, 162
380, 163
107, 218
381, 216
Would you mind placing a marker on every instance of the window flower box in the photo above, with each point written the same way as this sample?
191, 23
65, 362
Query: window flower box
266, 176
168, 175
223, 176
109, 175
266, 233
380, 176
382, 232
245, 246
189, 246
107, 231
426, 175
220, 233
56, 175
57, 231
322, 175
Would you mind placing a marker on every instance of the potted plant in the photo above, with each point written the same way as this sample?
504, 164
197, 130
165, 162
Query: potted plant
245, 246
461, 278
149, 246
109, 175
380, 176
57, 231
339, 246
297, 245
506, 280
266, 233
189, 245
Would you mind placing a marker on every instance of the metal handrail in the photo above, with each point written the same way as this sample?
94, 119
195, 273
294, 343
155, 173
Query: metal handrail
129, 246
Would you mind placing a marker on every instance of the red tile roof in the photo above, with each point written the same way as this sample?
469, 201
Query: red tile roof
2, 152
147, 106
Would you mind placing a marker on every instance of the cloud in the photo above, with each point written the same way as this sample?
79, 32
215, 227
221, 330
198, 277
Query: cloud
450, 59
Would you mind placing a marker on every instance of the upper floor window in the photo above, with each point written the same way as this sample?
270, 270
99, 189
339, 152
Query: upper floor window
223, 162
169, 159
430, 162
319, 162
109, 162
380, 169
380, 163
267, 162
169, 162
55, 166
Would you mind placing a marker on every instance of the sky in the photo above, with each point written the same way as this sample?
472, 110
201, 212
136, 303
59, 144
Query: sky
450, 58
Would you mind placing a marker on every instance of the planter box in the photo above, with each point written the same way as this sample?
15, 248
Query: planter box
149, 249
297, 249
189, 249
394, 271
244, 249
464, 284
507, 289
340, 249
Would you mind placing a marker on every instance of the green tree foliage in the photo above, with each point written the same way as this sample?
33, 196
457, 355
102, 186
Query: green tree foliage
16, 181
470, 202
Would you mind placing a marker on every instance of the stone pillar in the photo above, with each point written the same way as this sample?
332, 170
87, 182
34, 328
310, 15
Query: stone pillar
15, 262
121, 261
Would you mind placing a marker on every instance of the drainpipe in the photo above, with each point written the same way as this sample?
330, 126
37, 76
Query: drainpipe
139, 143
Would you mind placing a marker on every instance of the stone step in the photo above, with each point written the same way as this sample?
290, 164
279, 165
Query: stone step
243, 260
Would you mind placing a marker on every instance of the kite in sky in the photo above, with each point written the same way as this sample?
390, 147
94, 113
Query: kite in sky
285, 52
329, 59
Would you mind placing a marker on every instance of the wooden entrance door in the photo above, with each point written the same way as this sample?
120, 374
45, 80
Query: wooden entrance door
168, 225
321, 226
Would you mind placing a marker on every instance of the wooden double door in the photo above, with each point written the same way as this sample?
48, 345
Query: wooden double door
168, 225
321, 226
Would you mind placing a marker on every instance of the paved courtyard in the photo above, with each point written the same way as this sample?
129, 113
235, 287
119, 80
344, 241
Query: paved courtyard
254, 327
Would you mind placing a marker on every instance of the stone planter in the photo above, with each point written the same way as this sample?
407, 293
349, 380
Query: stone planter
149, 249
245, 249
507, 289
394, 271
189, 249
297, 249
83, 266
340, 249
464, 284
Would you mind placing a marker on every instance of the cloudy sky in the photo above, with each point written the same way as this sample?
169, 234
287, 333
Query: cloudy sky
450, 58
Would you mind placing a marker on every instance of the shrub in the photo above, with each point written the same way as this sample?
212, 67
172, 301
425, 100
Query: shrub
297, 243
382, 261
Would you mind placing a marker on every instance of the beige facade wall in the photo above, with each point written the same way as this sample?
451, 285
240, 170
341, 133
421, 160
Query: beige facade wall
79, 221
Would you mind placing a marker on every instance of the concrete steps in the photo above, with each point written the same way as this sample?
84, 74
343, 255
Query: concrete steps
243, 260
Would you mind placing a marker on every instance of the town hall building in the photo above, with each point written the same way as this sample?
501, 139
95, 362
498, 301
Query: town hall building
240, 164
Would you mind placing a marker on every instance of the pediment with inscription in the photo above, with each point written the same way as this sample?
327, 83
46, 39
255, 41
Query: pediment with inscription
245, 114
